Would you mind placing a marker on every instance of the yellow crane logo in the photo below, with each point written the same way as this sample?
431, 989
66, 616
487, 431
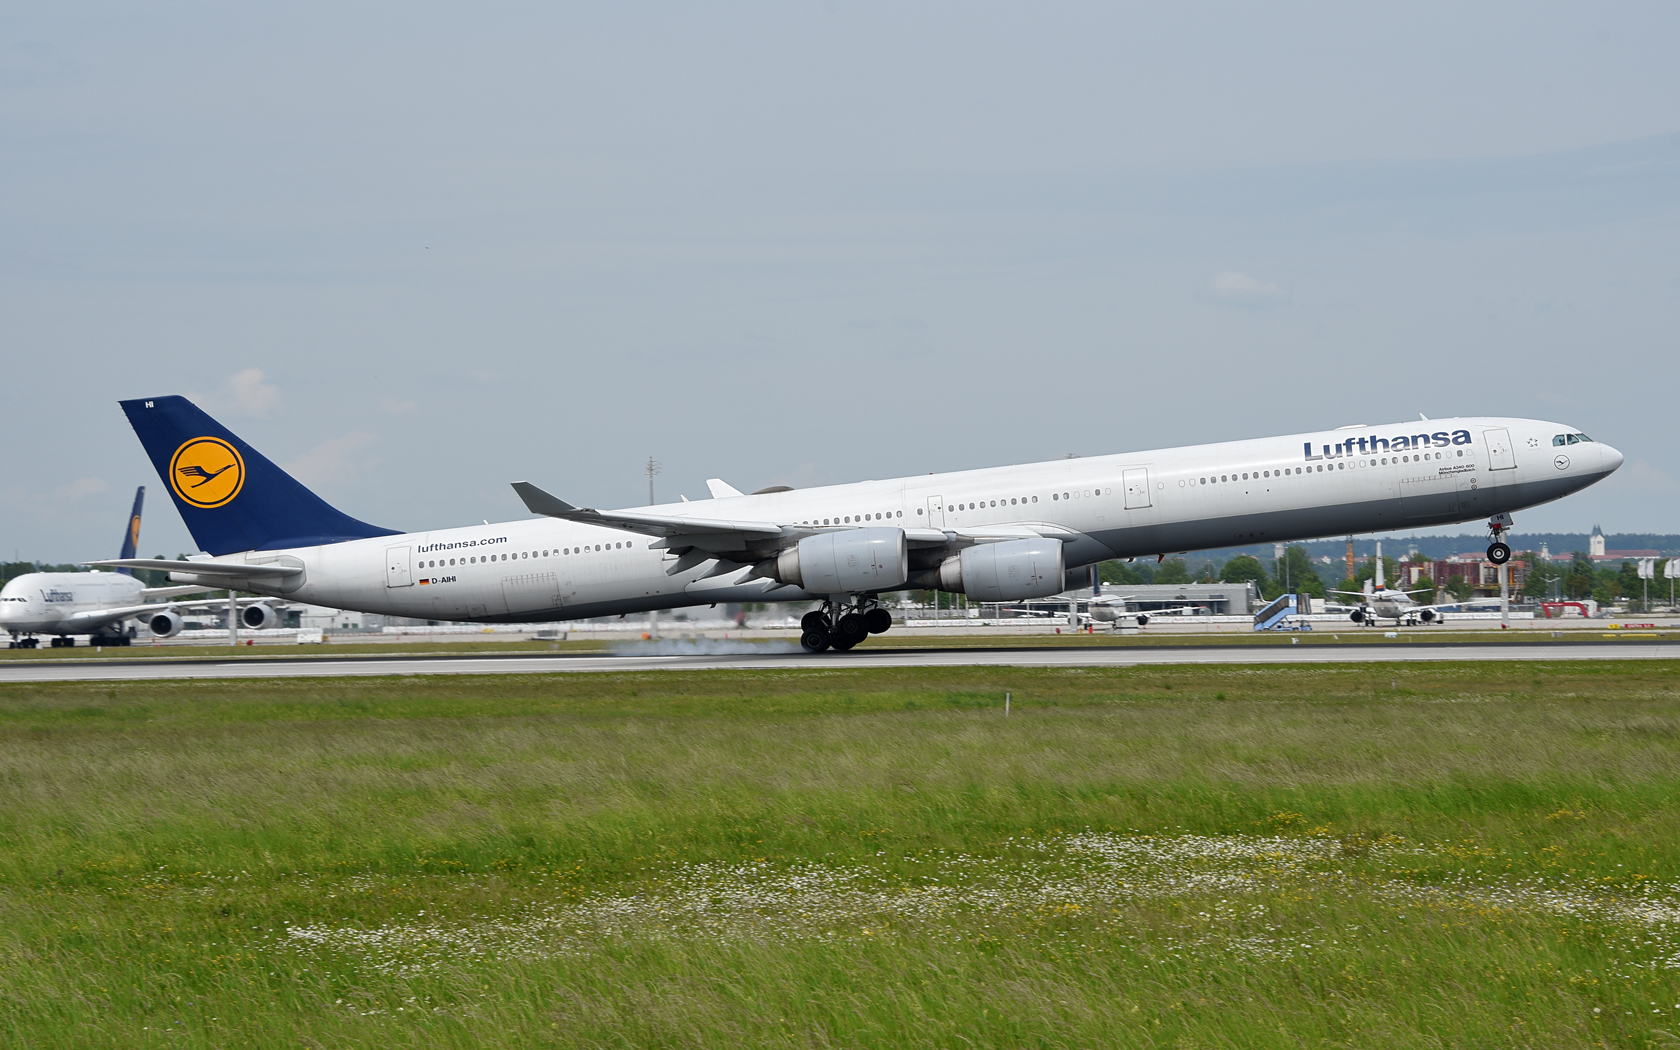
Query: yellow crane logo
206, 472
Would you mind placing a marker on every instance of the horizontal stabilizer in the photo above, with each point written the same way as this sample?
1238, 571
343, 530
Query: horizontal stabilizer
229, 569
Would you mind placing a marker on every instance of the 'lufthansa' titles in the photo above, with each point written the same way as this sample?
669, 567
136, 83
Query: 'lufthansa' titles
1366, 446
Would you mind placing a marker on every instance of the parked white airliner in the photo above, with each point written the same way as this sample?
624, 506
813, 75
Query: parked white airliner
999, 534
64, 604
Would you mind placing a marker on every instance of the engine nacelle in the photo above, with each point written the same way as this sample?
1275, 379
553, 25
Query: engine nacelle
258, 617
1004, 572
1427, 616
1357, 616
846, 562
166, 624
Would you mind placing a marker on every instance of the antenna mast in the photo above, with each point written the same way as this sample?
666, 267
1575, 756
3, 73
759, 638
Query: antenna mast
650, 470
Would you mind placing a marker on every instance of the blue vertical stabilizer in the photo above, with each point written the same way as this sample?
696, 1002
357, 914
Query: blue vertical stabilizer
231, 496
131, 534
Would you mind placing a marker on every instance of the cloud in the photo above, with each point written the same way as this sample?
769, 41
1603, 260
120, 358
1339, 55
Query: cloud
248, 392
338, 461
395, 407
251, 393
1240, 289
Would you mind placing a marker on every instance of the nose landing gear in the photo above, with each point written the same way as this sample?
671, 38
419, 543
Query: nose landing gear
1499, 552
839, 625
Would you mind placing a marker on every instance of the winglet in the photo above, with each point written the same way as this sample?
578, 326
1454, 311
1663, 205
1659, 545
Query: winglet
539, 502
722, 489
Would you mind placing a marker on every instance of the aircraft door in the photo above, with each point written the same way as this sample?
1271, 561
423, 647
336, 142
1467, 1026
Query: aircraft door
1137, 488
398, 567
936, 512
1500, 456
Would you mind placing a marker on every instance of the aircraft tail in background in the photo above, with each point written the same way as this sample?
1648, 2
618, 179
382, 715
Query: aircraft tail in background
131, 535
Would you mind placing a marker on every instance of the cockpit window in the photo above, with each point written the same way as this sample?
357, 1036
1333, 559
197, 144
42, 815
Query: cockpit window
1574, 439
1560, 439
1579, 437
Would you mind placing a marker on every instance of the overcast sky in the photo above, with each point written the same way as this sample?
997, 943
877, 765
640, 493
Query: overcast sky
416, 252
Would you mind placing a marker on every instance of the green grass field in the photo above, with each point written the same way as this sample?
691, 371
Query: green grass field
1406, 856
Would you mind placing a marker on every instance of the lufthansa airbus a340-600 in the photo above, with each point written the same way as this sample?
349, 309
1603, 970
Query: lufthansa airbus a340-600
997, 535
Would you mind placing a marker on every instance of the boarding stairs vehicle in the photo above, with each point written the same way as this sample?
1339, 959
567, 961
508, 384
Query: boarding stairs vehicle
1276, 615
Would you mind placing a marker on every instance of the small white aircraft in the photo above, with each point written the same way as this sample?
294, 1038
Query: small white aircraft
63, 604
1377, 602
1111, 608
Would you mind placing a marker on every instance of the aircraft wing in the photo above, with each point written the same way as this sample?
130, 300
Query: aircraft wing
661, 525
228, 569
89, 619
695, 538
156, 593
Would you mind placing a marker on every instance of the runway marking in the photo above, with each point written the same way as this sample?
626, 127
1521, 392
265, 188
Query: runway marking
348, 667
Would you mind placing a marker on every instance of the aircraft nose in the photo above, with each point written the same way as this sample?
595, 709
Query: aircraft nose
1609, 457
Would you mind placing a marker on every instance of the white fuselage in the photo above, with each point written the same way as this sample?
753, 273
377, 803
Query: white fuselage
1392, 605
1354, 480
67, 602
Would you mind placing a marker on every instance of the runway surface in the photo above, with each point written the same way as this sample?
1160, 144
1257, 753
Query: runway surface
670, 657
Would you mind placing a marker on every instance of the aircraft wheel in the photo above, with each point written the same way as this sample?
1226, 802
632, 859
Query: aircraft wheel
851, 630
814, 641
1498, 553
840, 645
814, 621
877, 621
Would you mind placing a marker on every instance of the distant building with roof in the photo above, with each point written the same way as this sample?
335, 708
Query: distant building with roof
1596, 551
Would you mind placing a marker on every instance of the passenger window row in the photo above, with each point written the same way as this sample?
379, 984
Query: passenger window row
853, 519
442, 563
1319, 468
952, 508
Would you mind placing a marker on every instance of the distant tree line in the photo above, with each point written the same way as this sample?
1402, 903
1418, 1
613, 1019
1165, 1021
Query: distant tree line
1293, 572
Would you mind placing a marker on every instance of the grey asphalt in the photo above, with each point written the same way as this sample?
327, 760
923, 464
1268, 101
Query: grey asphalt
668, 656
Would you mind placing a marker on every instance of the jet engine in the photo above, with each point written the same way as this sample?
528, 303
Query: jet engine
258, 617
849, 562
1002, 572
1357, 616
166, 624
1427, 616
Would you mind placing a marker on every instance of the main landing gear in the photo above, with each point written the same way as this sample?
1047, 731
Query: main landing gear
839, 626
1499, 552
23, 643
